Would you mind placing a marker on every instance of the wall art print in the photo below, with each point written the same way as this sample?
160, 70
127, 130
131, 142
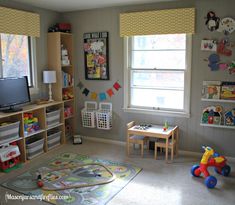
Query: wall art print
96, 56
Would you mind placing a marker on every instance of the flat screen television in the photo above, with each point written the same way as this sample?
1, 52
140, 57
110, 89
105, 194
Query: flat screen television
13, 92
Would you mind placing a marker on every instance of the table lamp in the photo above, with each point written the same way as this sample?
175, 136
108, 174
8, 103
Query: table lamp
49, 77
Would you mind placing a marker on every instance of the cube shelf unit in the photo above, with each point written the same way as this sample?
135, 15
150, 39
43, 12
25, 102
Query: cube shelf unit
63, 89
38, 111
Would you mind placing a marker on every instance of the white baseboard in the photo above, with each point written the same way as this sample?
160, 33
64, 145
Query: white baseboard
121, 143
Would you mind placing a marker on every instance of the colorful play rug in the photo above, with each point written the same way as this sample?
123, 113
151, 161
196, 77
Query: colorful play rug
99, 194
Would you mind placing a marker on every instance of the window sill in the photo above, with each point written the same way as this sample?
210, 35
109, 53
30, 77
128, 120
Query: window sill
157, 112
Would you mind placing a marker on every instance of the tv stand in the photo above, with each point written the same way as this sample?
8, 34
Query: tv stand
43, 132
12, 109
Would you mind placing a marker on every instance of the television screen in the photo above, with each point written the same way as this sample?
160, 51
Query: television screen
14, 91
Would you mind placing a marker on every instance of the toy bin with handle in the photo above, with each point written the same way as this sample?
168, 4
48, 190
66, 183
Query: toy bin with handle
34, 147
53, 138
88, 114
104, 116
9, 131
52, 117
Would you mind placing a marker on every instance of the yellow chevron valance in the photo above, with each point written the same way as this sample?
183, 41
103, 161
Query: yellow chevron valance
170, 21
19, 22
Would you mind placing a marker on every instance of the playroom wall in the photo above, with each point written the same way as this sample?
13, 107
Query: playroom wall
47, 19
192, 135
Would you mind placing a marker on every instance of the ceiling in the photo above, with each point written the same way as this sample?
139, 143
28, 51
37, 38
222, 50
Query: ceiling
76, 5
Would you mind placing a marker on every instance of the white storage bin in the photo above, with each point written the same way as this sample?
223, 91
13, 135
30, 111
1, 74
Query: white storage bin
9, 132
34, 147
53, 138
104, 116
88, 114
53, 118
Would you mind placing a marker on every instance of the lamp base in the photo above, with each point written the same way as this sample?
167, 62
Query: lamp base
50, 94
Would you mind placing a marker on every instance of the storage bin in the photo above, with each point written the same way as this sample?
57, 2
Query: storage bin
88, 114
9, 132
34, 147
53, 138
53, 118
104, 116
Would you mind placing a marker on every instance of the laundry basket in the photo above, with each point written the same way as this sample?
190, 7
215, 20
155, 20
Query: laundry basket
104, 116
88, 114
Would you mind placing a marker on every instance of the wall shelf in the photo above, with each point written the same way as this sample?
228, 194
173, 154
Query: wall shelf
218, 126
217, 100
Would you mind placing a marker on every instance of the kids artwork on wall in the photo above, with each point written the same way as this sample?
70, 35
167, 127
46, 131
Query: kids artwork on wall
222, 48
96, 56
214, 23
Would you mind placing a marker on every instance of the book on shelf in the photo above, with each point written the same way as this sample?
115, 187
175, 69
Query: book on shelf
211, 89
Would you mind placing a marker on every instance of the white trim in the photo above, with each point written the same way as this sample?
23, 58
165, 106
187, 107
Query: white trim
121, 143
157, 112
34, 89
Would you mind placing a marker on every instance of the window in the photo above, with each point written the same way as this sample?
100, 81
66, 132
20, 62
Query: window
16, 52
157, 74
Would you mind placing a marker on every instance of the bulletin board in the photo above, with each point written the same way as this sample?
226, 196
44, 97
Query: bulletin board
96, 56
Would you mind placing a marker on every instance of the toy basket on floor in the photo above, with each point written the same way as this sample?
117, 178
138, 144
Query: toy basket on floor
104, 116
88, 114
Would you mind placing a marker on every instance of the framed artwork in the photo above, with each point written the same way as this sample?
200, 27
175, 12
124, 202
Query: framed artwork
96, 56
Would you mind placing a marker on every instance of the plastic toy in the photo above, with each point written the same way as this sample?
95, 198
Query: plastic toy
9, 158
30, 123
211, 159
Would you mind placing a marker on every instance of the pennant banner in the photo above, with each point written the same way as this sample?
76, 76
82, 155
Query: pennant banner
94, 96
102, 95
117, 86
80, 85
85, 91
110, 92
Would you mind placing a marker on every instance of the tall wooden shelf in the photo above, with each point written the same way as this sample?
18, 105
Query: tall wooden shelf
54, 44
38, 111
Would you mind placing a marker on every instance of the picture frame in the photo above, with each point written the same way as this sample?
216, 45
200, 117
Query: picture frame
96, 55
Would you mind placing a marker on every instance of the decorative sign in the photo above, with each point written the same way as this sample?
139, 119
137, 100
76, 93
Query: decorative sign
96, 56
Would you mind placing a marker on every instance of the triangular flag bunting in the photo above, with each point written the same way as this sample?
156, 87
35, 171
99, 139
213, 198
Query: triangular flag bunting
94, 96
117, 86
110, 92
102, 96
85, 91
80, 85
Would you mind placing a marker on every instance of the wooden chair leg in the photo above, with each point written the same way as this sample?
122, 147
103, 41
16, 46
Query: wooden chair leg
147, 145
155, 151
172, 153
142, 149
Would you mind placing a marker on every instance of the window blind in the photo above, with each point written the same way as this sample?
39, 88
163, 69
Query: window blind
170, 21
19, 22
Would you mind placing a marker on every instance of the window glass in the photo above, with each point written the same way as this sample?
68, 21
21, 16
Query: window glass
157, 70
16, 58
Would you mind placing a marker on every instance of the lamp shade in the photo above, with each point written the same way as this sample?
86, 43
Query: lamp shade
49, 76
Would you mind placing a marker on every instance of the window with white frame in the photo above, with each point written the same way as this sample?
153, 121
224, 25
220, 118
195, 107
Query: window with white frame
157, 74
17, 57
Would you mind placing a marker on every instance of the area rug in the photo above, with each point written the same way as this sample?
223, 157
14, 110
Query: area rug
94, 195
